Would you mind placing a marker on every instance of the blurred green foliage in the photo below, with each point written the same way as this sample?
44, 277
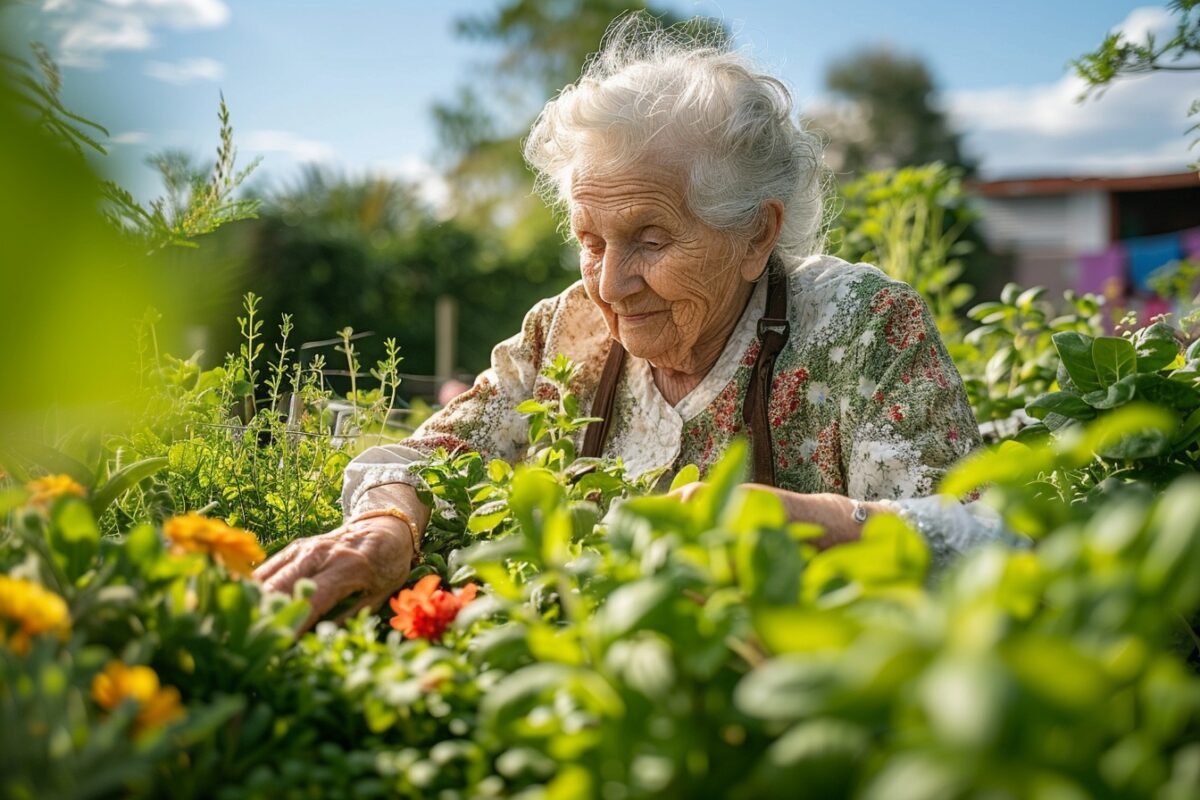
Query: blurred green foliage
71, 285
665, 649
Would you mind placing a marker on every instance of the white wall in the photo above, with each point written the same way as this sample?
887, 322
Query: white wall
1046, 234
1073, 223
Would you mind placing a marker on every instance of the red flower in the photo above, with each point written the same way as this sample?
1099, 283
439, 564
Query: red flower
896, 414
786, 395
932, 369
751, 354
905, 323
827, 455
425, 611
727, 411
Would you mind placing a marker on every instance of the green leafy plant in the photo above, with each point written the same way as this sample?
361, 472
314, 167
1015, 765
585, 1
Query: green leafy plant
910, 223
1100, 375
1009, 359
198, 200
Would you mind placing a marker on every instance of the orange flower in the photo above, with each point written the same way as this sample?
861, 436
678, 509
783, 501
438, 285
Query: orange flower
32, 611
157, 705
44, 491
425, 611
237, 549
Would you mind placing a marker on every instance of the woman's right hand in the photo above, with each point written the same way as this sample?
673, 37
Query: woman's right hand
372, 556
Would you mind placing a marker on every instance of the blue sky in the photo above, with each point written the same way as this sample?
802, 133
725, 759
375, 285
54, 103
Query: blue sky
350, 83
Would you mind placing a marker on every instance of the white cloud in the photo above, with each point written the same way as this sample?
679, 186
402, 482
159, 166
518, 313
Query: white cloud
185, 71
286, 143
129, 137
1138, 124
89, 29
1146, 20
430, 186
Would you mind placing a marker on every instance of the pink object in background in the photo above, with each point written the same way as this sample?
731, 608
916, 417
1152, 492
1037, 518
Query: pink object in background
1191, 242
450, 390
1154, 307
1102, 273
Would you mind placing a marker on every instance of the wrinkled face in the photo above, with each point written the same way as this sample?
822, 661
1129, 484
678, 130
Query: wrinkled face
667, 284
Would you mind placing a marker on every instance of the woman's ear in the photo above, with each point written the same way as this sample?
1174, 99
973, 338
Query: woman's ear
763, 244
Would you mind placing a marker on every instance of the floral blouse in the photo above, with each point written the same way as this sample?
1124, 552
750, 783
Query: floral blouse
865, 400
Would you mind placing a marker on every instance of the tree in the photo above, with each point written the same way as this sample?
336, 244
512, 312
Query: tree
887, 116
334, 250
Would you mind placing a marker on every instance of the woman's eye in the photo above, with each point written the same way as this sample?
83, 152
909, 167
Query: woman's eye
592, 244
653, 239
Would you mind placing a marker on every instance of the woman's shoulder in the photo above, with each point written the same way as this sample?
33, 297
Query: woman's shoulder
822, 274
829, 295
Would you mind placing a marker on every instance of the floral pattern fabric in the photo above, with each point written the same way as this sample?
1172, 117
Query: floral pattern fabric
864, 400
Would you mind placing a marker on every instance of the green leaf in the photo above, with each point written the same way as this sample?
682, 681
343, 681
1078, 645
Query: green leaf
1156, 347
1008, 464
689, 474
633, 606
1117, 394
1057, 672
532, 407
1068, 404
487, 516
52, 461
724, 476
516, 694
143, 547
1136, 430
1075, 352
890, 555
1114, 358
768, 566
801, 630
1172, 563
124, 480
1030, 296
787, 688
999, 365
1171, 394
74, 537
816, 759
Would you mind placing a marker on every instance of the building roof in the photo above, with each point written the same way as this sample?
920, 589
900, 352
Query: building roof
1023, 187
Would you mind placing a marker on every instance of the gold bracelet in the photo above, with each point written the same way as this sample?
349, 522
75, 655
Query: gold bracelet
398, 514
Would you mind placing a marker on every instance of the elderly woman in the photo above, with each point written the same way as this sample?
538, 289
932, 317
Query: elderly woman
702, 315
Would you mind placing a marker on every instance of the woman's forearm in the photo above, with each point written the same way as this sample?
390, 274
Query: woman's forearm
400, 496
832, 512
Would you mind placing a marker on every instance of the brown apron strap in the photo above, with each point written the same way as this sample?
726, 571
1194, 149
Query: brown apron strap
606, 393
773, 332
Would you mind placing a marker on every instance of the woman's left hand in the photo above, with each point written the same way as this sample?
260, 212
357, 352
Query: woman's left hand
833, 512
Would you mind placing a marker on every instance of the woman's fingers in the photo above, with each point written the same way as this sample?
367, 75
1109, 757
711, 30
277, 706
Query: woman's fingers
338, 580
308, 559
275, 563
689, 490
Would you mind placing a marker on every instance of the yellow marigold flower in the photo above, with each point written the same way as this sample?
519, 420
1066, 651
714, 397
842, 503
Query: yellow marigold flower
28, 610
237, 549
157, 704
44, 491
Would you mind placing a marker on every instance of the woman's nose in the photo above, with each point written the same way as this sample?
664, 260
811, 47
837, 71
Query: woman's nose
618, 278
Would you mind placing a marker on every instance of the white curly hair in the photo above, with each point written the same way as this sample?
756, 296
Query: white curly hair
689, 101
